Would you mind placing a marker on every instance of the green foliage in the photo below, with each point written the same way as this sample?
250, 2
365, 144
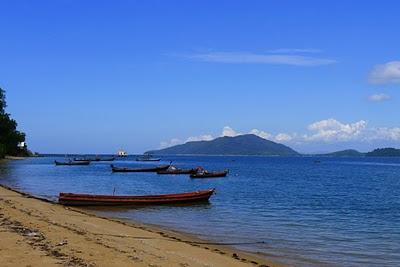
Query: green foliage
3, 103
384, 152
10, 137
2, 151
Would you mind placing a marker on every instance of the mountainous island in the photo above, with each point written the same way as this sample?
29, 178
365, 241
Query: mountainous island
253, 145
248, 144
344, 153
379, 152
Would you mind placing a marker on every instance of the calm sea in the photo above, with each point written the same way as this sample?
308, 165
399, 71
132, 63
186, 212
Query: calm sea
339, 212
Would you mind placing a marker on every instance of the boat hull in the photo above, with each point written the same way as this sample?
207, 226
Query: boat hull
138, 159
182, 171
72, 199
94, 159
126, 169
209, 175
72, 163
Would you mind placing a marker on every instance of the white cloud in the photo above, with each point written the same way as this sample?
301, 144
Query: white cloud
283, 137
385, 133
172, 142
332, 130
386, 73
378, 97
294, 50
261, 134
204, 137
228, 131
251, 58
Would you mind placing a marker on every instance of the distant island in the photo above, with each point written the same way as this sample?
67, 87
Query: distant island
384, 152
379, 152
248, 144
253, 145
344, 153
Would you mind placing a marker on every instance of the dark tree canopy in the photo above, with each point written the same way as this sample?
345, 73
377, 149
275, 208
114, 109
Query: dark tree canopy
10, 137
3, 104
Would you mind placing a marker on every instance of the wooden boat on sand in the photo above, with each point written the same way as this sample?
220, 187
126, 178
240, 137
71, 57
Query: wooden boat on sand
174, 170
128, 169
207, 174
111, 200
71, 163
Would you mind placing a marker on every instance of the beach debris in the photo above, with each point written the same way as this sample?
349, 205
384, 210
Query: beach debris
62, 243
134, 258
32, 234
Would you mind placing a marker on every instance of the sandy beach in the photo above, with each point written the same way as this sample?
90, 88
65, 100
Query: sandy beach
35, 232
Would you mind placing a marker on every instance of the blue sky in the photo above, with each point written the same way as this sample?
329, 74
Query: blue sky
96, 76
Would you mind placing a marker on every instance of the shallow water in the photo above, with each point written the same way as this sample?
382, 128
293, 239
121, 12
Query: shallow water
340, 212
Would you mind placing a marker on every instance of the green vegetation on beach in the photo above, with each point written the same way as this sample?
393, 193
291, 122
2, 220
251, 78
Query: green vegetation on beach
11, 140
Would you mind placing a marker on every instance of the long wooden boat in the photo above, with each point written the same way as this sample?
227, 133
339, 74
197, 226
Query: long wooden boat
105, 159
82, 159
128, 169
71, 163
173, 170
147, 158
94, 159
206, 174
110, 200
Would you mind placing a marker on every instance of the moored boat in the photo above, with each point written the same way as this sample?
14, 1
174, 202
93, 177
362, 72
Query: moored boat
128, 169
147, 157
82, 159
174, 170
111, 200
104, 159
207, 174
95, 159
71, 163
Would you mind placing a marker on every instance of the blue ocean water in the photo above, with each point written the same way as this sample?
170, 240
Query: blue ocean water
338, 212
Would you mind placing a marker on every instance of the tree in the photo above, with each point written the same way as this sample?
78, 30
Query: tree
10, 137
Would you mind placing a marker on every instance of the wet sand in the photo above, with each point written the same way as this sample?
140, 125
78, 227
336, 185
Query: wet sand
36, 232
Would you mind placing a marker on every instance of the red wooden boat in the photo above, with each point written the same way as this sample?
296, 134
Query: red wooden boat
71, 199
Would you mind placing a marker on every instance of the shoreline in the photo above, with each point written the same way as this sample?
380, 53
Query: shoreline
12, 158
40, 232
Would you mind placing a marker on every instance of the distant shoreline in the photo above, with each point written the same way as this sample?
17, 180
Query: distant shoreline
14, 158
221, 155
